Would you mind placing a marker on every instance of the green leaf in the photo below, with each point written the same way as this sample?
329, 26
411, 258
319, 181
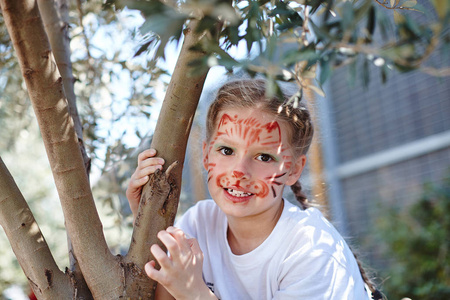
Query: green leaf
410, 3
371, 23
199, 66
315, 4
366, 73
272, 88
271, 47
361, 12
294, 56
317, 90
352, 72
441, 7
325, 70
347, 16
322, 33
398, 18
142, 49
147, 8
167, 26
286, 17
163, 25
231, 34
384, 71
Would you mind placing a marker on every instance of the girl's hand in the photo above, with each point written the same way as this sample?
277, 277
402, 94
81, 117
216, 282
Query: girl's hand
181, 271
147, 164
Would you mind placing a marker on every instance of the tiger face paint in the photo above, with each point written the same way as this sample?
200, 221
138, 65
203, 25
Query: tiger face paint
249, 161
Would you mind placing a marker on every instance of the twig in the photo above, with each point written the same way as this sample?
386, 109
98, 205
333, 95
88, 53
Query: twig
171, 167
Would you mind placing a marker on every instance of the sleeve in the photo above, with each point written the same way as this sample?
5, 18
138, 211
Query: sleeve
319, 276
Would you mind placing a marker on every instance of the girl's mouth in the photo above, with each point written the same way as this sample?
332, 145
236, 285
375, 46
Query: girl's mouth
238, 194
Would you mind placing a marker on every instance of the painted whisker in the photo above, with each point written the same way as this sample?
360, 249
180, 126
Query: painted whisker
276, 176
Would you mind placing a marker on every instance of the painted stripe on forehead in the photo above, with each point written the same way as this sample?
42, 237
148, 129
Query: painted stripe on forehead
250, 129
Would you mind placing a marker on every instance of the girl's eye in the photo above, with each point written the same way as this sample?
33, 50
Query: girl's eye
226, 150
264, 157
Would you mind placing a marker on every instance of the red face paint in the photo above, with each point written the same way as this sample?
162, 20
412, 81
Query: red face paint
250, 130
250, 133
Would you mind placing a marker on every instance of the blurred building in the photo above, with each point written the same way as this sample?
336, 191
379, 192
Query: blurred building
382, 143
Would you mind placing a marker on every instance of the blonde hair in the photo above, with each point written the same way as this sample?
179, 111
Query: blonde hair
251, 93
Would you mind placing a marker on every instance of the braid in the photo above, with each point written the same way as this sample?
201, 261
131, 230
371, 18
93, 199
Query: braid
300, 196
305, 204
376, 294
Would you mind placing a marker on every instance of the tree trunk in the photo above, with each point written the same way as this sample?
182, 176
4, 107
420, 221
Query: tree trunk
46, 92
54, 14
28, 243
159, 201
108, 277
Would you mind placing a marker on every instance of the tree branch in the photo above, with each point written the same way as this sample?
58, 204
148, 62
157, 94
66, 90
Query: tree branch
57, 32
159, 201
28, 243
46, 92
52, 13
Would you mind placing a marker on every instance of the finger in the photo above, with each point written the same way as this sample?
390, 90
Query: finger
146, 154
136, 183
171, 243
161, 256
151, 271
195, 247
157, 275
180, 237
143, 172
151, 162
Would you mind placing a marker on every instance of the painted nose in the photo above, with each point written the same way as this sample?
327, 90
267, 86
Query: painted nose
238, 174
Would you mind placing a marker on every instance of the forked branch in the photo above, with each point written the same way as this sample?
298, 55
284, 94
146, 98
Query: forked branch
44, 83
28, 243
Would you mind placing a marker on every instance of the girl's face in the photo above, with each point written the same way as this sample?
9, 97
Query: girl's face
249, 161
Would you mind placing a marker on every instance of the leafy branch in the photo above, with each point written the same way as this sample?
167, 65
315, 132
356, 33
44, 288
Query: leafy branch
395, 4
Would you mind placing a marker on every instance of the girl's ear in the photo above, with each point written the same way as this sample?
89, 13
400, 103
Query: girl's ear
205, 156
296, 170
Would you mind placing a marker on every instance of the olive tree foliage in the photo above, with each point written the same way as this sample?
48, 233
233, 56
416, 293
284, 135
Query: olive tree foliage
324, 34
103, 46
285, 40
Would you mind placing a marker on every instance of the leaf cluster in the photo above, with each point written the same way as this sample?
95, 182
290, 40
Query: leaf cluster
416, 241
102, 69
288, 40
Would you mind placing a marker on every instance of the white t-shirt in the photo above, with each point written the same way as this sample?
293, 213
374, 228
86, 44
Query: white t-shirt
303, 258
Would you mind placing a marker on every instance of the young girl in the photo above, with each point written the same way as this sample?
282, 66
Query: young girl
248, 242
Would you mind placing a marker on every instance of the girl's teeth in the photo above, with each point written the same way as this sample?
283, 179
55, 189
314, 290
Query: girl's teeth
238, 193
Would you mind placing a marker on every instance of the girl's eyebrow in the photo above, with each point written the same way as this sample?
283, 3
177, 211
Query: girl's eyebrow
225, 139
228, 141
